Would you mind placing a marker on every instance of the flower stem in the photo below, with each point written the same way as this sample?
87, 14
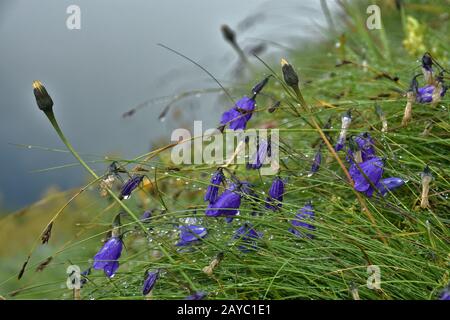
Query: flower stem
51, 117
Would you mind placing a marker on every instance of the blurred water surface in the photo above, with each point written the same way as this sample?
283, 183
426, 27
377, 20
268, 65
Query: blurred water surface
111, 65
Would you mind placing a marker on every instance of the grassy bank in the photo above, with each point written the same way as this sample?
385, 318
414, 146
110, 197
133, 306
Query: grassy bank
354, 69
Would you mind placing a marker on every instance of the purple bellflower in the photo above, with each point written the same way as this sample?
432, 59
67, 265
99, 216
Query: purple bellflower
346, 121
259, 86
107, 257
389, 184
130, 185
425, 94
238, 116
367, 146
361, 148
146, 216
372, 169
275, 198
263, 151
213, 189
302, 217
200, 295
431, 93
149, 282
191, 232
316, 162
227, 203
248, 236
445, 294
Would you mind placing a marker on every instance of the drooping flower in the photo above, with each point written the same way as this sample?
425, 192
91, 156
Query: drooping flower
425, 94
199, 295
107, 257
227, 203
213, 189
262, 152
130, 185
149, 282
191, 232
302, 218
372, 169
316, 162
238, 116
367, 146
259, 86
440, 89
248, 236
146, 216
346, 120
445, 294
389, 184
275, 197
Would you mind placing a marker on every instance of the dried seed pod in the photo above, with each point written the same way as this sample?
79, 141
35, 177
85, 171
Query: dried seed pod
427, 177
407, 116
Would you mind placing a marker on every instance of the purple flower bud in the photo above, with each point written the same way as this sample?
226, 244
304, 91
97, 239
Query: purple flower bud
316, 162
373, 169
227, 204
259, 86
258, 158
275, 198
200, 295
191, 232
240, 114
130, 185
146, 216
248, 236
107, 257
389, 184
149, 282
213, 189
302, 217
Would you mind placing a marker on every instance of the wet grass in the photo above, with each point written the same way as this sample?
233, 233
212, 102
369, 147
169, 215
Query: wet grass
353, 69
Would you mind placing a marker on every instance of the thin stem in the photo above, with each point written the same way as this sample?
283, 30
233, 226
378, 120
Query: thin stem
51, 117
341, 164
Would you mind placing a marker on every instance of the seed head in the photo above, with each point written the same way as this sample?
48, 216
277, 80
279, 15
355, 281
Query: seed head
289, 74
43, 99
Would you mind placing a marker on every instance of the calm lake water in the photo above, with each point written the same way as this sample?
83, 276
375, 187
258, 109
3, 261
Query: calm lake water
112, 64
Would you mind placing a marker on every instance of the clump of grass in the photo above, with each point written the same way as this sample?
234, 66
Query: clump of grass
409, 244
